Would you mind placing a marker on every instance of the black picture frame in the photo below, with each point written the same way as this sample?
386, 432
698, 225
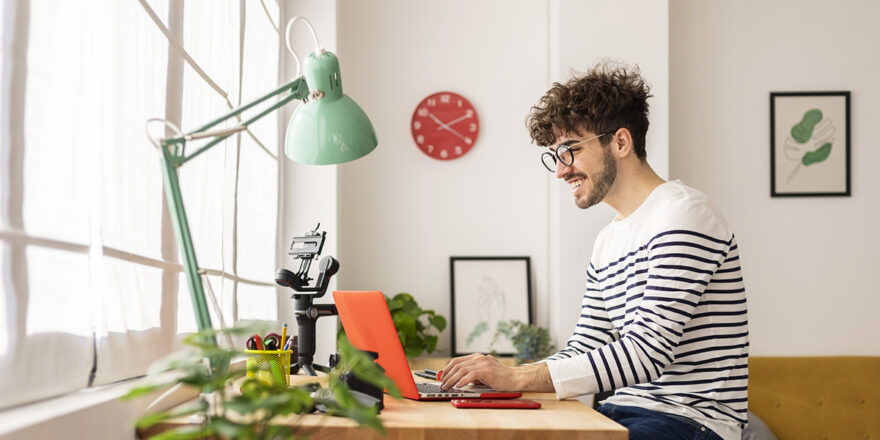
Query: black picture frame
805, 128
502, 280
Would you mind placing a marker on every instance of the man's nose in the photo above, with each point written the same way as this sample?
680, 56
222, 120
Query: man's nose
561, 169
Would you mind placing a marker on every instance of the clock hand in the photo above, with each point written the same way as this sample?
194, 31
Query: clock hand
455, 121
444, 126
437, 120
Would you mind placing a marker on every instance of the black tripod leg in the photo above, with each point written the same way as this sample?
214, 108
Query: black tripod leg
321, 368
307, 368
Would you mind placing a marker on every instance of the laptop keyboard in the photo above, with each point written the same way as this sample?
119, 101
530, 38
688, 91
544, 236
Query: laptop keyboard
431, 388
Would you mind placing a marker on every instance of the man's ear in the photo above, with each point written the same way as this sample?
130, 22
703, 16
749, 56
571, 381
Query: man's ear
622, 143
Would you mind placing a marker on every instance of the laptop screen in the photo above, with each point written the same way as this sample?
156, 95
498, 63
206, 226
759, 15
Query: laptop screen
369, 327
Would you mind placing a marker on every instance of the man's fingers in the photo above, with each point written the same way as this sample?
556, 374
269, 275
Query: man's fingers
457, 368
452, 377
455, 361
468, 378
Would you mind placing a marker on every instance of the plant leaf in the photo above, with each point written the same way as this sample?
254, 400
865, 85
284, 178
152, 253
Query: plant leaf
182, 410
430, 343
438, 322
183, 433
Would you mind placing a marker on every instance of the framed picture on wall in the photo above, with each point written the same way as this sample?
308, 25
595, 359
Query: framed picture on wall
486, 291
809, 144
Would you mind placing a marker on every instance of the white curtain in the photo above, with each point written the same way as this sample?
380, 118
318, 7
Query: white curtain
92, 291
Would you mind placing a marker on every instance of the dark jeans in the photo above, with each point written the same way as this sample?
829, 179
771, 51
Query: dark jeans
645, 424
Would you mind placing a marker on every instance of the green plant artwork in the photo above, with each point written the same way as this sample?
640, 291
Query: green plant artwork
803, 131
478, 331
532, 343
810, 142
417, 328
248, 413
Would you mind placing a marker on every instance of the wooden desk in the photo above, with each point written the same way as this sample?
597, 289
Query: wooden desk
426, 420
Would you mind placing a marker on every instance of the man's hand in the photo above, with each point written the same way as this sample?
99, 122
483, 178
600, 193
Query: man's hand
478, 368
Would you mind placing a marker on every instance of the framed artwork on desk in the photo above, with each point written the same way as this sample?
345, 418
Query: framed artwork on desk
484, 292
809, 144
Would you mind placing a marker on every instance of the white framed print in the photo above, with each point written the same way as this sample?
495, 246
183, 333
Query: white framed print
484, 292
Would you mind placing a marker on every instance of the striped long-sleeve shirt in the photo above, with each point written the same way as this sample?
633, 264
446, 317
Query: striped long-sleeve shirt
664, 319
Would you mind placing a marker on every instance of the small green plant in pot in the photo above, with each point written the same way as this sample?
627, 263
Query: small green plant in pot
532, 343
417, 328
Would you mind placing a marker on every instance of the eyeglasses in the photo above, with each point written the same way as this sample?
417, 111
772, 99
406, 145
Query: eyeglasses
565, 154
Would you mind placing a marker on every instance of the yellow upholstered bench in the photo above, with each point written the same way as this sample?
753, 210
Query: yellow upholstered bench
834, 397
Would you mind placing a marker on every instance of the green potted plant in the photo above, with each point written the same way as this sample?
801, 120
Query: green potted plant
532, 343
417, 328
247, 413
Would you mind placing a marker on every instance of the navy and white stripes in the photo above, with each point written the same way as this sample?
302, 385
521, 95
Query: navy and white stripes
664, 319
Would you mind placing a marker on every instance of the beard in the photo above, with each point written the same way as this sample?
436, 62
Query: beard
602, 183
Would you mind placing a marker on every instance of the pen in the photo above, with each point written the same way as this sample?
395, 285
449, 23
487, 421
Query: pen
284, 336
287, 344
437, 374
426, 375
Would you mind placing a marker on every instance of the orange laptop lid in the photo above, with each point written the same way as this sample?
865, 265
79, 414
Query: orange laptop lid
369, 327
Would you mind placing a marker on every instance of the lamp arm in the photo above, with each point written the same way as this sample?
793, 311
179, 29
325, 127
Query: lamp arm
173, 156
297, 89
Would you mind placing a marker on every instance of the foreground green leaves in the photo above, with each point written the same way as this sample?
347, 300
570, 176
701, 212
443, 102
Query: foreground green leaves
249, 412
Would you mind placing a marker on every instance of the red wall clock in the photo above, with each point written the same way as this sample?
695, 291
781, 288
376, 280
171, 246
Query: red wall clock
445, 126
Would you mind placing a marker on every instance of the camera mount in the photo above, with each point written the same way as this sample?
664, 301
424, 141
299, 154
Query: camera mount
305, 249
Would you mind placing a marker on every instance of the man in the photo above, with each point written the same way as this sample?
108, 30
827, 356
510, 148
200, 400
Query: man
663, 320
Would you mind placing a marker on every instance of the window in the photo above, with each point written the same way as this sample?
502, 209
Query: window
92, 291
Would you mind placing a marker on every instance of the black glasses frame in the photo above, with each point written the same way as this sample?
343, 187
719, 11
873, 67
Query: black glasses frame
563, 154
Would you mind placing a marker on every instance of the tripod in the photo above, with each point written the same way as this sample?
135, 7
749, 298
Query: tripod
306, 249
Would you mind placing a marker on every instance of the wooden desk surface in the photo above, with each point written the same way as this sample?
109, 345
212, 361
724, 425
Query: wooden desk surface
439, 420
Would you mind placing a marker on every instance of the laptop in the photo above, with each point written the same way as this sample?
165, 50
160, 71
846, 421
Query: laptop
369, 327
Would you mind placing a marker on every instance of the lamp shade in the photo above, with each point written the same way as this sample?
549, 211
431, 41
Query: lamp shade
330, 128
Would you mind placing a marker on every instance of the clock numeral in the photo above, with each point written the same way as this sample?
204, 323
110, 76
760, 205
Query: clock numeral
420, 139
445, 98
417, 125
458, 150
469, 113
423, 112
432, 102
444, 154
473, 127
459, 103
468, 140
430, 148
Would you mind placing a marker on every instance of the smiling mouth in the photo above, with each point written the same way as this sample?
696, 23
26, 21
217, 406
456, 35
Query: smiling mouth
576, 184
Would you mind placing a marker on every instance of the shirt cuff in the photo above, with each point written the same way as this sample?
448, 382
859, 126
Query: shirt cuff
572, 377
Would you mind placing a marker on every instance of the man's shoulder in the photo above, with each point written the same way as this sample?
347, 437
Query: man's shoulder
681, 207
673, 207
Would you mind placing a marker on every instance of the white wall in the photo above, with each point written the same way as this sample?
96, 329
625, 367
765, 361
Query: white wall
807, 261
403, 214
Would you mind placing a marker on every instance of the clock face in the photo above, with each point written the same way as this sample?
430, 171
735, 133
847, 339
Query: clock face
445, 126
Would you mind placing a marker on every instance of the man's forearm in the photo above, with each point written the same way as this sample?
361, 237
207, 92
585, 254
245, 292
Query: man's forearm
535, 378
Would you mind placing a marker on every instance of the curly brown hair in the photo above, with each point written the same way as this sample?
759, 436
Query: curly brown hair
611, 95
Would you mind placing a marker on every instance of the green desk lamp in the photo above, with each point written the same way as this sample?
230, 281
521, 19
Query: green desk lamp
329, 128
